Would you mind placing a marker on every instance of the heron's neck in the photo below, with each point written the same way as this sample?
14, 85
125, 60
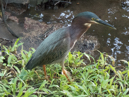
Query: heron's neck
78, 27
76, 31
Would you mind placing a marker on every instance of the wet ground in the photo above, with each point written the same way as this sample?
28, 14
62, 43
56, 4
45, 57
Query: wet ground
113, 42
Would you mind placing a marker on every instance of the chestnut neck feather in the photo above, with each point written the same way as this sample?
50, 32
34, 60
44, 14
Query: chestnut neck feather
78, 28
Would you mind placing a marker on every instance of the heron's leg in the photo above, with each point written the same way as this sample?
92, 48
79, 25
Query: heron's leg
44, 69
65, 72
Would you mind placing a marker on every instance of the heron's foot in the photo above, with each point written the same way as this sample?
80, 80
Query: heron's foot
67, 74
47, 78
65, 71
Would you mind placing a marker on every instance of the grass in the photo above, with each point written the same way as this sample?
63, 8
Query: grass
97, 79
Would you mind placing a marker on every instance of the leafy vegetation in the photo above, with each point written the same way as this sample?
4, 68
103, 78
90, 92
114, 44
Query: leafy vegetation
98, 79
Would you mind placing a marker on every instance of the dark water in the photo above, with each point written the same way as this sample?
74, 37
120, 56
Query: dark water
115, 12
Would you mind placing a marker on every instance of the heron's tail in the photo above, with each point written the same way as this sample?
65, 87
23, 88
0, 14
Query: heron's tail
29, 65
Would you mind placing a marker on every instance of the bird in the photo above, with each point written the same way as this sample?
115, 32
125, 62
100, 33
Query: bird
57, 45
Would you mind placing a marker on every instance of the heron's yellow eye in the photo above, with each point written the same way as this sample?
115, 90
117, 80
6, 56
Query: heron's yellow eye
93, 18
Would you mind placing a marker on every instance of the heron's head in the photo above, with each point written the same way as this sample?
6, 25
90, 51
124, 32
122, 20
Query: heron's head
89, 18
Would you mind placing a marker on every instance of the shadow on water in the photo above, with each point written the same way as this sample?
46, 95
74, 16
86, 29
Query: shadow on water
115, 12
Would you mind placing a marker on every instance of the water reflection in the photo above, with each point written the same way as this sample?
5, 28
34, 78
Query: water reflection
126, 33
125, 5
117, 46
65, 17
108, 42
112, 10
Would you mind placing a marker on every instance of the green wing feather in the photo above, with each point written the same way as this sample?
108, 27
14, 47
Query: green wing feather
51, 49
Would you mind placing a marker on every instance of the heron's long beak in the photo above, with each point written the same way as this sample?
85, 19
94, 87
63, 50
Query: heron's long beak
99, 21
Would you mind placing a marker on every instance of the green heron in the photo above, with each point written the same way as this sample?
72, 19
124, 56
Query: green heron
56, 46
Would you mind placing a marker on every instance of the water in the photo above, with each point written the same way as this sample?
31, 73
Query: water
115, 12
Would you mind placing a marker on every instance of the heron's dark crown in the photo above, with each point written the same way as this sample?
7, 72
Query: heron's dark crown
88, 15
